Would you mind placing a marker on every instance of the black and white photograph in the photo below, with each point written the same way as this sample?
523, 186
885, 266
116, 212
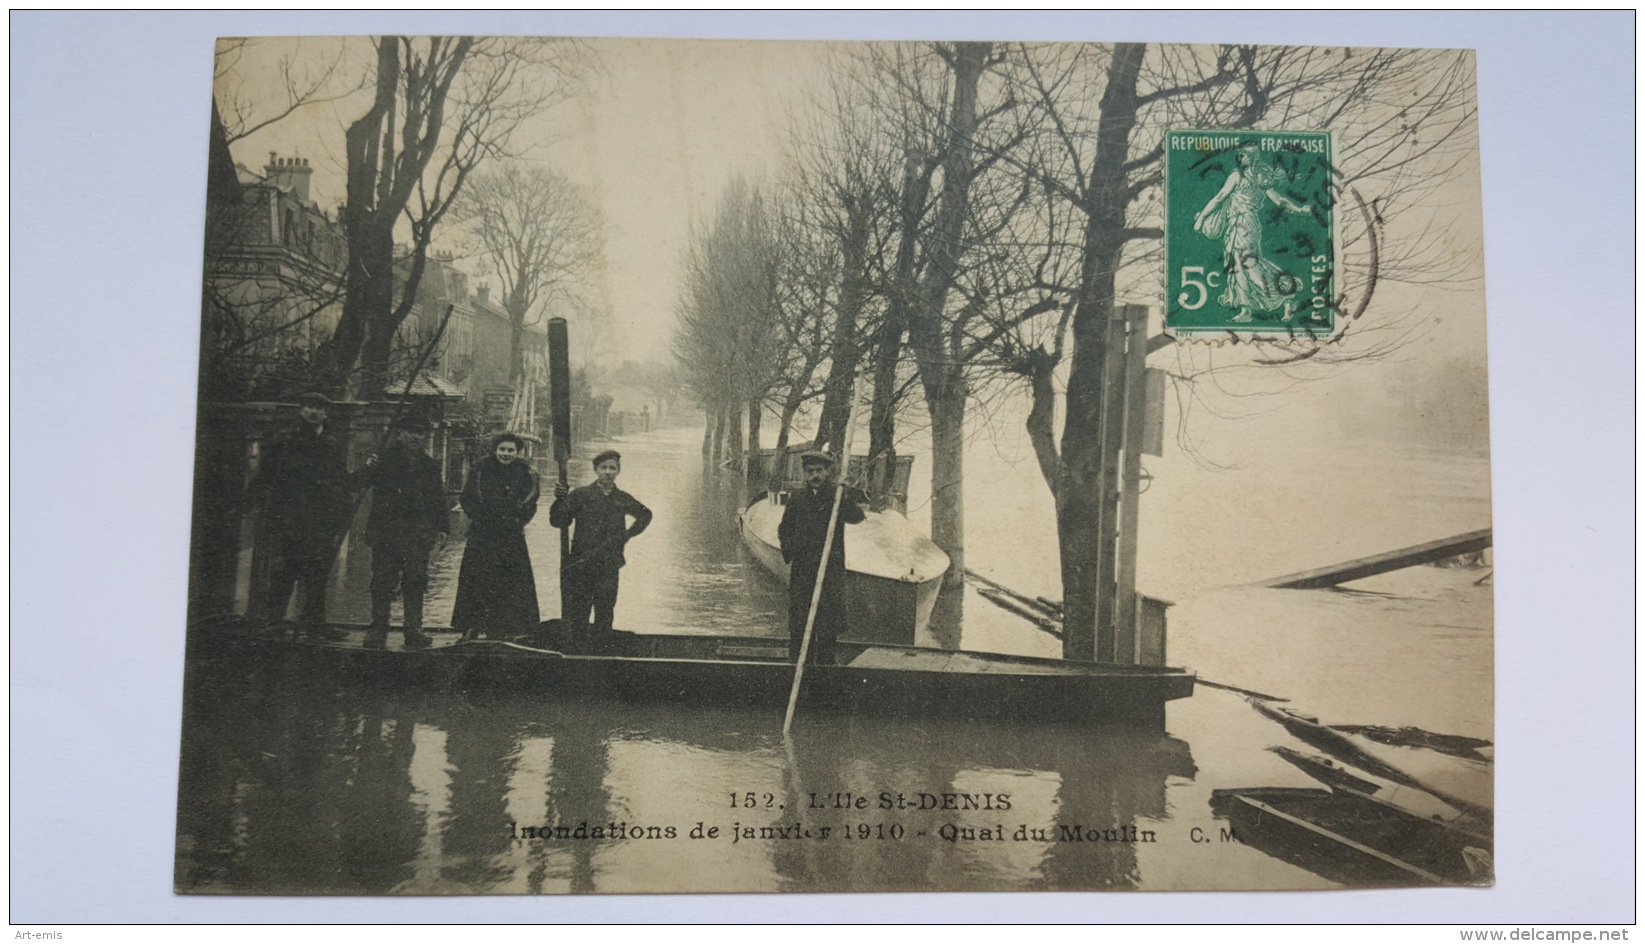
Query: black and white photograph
669, 466
805, 464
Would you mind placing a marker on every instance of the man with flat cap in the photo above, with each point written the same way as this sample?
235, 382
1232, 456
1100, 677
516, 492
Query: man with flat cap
803, 532
305, 477
408, 520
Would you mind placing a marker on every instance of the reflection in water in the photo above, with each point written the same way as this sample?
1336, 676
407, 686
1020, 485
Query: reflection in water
302, 783
286, 789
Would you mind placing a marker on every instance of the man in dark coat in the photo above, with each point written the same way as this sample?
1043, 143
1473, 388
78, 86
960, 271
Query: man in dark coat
305, 477
408, 519
803, 531
588, 579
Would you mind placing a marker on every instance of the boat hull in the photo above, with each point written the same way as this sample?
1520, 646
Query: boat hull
742, 672
884, 604
1352, 838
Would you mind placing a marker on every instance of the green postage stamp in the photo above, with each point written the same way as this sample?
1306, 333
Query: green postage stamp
1250, 233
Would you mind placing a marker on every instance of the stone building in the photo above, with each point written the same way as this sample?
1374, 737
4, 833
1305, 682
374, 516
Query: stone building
273, 282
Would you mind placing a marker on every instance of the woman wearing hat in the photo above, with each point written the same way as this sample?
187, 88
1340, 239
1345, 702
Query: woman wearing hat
496, 593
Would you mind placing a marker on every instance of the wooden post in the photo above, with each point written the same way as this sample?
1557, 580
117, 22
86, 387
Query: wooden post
1112, 432
559, 411
1125, 598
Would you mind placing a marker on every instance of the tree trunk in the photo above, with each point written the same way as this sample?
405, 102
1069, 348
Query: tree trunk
948, 480
734, 431
882, 414
940, 374
718, 453
842, 369
516, 346
1080, 498
369, 281
369, 290
754, 426
779, 460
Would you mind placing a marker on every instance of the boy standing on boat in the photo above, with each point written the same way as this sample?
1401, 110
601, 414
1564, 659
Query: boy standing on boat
803, 532
588, 578
408, 519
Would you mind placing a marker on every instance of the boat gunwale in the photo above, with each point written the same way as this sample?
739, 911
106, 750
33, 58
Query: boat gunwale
475, 647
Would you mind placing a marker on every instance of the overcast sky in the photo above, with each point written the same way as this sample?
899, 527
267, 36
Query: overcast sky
657, 136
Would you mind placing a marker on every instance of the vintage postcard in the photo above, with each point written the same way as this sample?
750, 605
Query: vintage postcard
690, 466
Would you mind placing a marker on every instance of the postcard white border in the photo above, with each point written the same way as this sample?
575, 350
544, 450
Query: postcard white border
107, 169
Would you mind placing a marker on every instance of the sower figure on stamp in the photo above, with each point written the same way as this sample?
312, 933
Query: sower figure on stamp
496, 591
588, 579
803, 532
408, 520
306, 480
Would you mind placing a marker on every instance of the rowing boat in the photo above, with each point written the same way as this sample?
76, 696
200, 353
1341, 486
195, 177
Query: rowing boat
893, 572
1352, 837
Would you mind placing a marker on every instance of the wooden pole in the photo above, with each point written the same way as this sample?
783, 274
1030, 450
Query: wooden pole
1112, 429
1136, 395
844, 464
559, 393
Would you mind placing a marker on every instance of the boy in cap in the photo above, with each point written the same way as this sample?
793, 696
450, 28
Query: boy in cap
588, 579
803, 531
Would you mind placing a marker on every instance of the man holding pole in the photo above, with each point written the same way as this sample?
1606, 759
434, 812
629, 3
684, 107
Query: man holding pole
802, 534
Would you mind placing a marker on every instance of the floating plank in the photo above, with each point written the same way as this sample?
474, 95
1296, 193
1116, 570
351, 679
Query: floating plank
1383, 563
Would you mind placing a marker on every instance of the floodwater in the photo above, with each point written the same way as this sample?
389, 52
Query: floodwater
293, 784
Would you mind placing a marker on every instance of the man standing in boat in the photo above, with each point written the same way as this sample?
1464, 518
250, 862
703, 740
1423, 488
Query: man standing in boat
588, 578
803, 532
309, 502
408, 520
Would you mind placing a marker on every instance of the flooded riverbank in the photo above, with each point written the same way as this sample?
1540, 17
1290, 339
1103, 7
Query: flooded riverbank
298, 784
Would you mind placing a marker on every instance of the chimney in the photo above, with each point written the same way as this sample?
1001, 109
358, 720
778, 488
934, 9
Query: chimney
290, 174
483, 293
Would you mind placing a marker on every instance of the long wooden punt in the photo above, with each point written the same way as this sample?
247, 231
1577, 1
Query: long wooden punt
751, 672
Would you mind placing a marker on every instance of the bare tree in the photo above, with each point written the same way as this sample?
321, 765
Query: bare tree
729, 327
540, 236
441, 106
303, 80
956, 120
811, 320
1402, 118
843, 180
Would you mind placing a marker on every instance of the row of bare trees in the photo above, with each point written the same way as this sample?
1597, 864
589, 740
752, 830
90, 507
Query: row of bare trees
961, 220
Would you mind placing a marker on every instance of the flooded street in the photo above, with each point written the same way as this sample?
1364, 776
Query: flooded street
292, 783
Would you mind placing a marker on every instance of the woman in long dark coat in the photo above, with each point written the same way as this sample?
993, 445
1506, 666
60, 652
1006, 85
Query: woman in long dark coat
496, 593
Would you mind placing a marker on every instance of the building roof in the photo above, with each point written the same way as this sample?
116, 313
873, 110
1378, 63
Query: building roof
427, 385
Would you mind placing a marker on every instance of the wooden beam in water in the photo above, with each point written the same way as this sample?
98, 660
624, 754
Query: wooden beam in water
1383, 563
